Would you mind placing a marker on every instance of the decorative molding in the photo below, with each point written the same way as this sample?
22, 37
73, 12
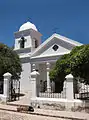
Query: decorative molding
61, 39
48, 66
45, 59
23, 50
25, 60
24, 33
33, 67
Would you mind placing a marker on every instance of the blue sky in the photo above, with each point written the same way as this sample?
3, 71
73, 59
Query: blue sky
70, 17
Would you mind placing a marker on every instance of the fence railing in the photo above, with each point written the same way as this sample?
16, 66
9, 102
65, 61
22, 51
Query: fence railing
53, 95
83, 91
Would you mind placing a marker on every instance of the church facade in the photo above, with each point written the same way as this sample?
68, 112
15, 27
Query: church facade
39, 56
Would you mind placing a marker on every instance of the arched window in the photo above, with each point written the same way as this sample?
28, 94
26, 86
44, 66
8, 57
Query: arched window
36, 43
22, 42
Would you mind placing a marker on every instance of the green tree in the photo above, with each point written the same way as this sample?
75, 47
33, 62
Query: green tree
79, 63
9, 62
60, 70
76, 63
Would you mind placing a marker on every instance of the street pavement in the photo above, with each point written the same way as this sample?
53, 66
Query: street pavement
54, 114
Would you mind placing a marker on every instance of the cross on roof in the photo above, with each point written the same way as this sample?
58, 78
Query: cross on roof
55, 30
29, 19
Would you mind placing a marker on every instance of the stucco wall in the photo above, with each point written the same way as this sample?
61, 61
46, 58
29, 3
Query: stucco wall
51, 51
25, 77
42, 71
29, 35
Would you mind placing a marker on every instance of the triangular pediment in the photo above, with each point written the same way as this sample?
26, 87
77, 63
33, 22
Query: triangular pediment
55, 45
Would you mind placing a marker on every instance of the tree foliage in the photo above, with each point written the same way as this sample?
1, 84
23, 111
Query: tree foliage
76, 63
79, 63
9, 62
60, 70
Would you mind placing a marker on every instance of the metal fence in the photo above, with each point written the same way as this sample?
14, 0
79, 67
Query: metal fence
14, 90
53, 94
82, 91
1, 86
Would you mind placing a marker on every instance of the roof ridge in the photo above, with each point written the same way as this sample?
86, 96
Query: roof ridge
57, 36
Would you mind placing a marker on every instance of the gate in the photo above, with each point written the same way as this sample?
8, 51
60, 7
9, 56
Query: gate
14, 90
1, 86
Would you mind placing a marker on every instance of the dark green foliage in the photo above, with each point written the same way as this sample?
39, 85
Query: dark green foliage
79, 63
76, 63
60, 70
9, 62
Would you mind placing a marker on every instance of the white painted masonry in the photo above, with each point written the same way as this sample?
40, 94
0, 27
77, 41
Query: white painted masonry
7, 78
40, 58
69, 87
34, 75
48, 79
24, 81
5, 96
67, 103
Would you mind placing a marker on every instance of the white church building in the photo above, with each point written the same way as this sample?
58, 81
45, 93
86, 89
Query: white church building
37, 60
40, 57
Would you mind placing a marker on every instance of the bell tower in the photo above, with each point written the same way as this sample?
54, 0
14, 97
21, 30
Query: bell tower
27, 37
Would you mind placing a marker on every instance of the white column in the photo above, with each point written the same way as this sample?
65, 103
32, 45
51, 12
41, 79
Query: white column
7, 78
69, 87
33, 67
48, 80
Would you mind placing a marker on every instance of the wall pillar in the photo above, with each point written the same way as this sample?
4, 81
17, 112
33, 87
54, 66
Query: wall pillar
69, 87
48, 79
7, 78
34, 75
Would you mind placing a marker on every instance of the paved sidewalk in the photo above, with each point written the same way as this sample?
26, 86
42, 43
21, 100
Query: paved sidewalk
50, 113
24, 100
64, 114
9, 115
